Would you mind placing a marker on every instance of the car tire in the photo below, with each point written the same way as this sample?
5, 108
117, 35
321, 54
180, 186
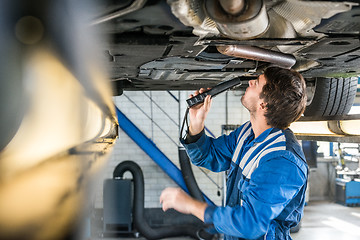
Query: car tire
331, 96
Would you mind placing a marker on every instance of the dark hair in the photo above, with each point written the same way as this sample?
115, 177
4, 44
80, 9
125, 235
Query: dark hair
285, 96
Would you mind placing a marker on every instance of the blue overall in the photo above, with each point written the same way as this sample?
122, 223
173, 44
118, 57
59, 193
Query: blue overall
266, 183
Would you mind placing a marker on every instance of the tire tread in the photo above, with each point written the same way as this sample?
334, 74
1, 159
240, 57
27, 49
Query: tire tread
333, 96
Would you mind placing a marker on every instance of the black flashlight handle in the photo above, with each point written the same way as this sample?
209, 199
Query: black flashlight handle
221, 87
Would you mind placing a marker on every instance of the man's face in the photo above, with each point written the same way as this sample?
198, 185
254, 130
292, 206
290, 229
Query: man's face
251, 99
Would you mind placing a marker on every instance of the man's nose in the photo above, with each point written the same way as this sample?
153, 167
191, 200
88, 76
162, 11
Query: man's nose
251, 82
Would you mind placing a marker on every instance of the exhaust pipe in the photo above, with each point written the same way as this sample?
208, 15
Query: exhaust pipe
232, 7
259, 54
238, 19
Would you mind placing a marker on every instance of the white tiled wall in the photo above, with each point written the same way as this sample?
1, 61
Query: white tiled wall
155, 179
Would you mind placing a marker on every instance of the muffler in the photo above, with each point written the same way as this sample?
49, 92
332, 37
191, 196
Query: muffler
238, 19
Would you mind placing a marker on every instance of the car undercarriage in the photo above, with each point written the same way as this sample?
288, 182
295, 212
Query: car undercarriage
188, 44
179, 44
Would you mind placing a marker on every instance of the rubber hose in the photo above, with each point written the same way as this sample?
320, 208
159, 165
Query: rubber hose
188, 175
193, 189
139, 217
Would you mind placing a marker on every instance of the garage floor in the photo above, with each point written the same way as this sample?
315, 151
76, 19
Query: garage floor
322, 220
331, 221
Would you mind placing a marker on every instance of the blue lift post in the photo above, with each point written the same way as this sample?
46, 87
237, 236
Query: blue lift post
153, 151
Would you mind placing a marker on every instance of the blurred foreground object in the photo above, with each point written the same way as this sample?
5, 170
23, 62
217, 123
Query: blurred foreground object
57, 120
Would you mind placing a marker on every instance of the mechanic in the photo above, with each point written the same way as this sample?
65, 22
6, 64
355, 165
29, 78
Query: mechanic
267, 175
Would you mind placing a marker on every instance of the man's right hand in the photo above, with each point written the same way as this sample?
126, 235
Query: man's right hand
198, 114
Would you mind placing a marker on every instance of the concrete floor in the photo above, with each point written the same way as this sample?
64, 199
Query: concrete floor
322, 220
330, 221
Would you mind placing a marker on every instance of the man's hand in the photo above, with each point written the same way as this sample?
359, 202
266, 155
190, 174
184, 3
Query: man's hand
198, 114
180, 201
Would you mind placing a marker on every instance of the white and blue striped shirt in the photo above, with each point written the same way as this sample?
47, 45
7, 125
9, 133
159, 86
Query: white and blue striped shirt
266, 181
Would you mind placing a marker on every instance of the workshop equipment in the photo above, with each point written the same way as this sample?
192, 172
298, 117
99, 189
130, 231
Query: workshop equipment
117, 206
348, 192
347, 183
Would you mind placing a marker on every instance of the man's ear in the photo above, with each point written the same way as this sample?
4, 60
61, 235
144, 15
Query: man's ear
263, 106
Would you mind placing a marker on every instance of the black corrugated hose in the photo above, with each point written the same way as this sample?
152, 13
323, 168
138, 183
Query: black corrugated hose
139, 217
188, 175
